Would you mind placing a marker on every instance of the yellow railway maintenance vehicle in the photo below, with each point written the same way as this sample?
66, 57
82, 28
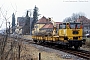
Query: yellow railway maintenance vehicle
69, 34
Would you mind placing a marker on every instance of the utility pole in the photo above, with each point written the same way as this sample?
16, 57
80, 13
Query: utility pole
30, 21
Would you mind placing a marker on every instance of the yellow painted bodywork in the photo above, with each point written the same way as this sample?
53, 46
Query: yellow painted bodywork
61, 35
68, 33
48, 38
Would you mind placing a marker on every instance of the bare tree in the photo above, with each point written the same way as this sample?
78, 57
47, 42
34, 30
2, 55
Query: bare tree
4, 39
74, 17
67, 19
12, 48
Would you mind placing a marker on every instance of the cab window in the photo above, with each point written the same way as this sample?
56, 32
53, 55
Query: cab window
62, 26
75, 25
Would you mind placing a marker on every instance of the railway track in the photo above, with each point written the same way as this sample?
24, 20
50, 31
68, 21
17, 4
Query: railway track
80, 53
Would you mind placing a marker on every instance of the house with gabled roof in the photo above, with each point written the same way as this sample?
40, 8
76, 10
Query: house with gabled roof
44, 25
86, 24
47, 27
40, 24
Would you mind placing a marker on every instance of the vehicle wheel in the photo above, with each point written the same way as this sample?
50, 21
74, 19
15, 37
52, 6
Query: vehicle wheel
76, 47
35, 41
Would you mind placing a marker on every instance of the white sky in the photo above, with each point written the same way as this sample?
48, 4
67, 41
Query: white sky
57, 9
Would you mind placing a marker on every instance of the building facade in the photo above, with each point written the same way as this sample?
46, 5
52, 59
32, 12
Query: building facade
86, 24
45, 26
42, 25
21, 21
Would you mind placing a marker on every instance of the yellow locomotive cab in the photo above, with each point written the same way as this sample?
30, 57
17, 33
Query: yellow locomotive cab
72, 32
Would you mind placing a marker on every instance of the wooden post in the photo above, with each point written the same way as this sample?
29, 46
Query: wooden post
39, 56
31, 58
19, 51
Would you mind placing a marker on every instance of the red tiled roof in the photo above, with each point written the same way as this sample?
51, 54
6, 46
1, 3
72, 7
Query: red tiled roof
83, 19
47, 26
43, 20
58, 23
50, 25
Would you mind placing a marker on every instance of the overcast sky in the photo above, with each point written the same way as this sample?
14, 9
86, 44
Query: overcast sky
56, 9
